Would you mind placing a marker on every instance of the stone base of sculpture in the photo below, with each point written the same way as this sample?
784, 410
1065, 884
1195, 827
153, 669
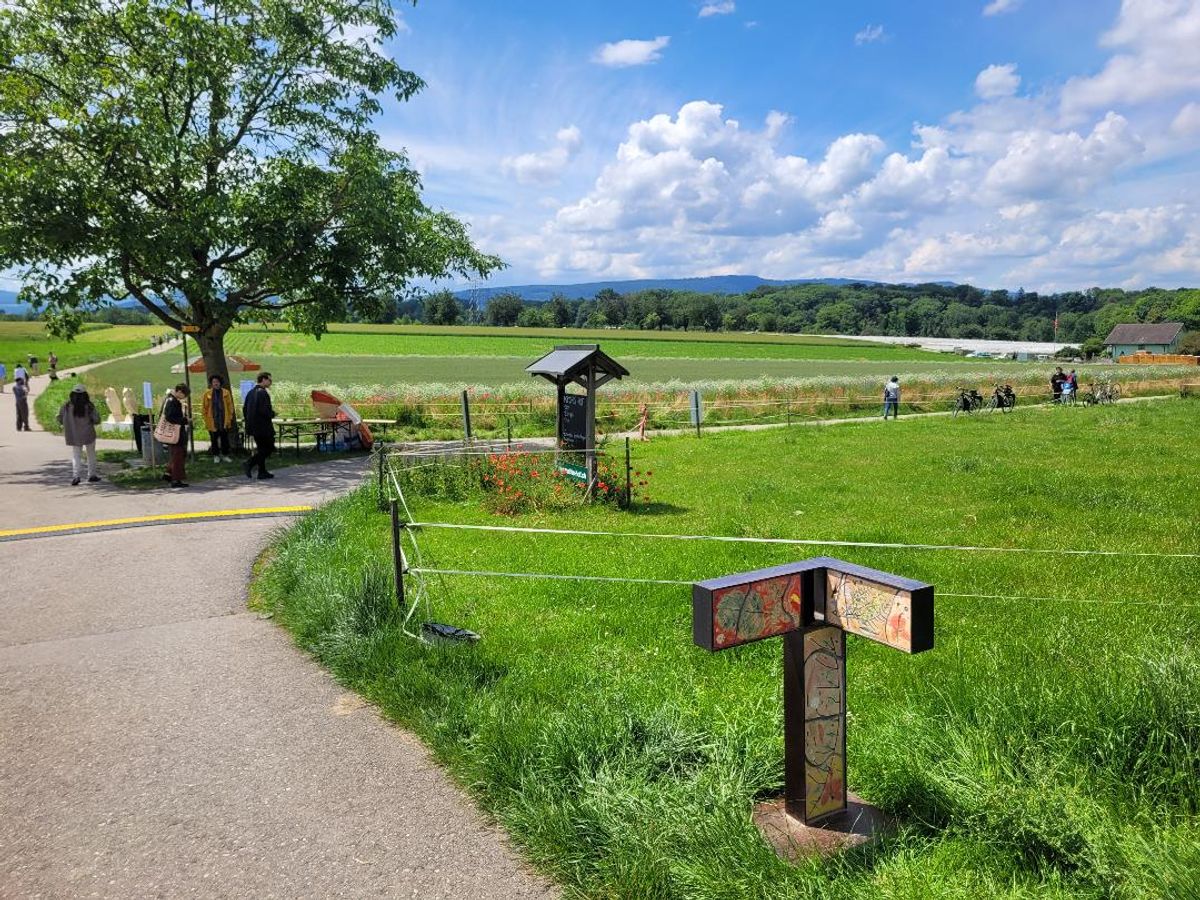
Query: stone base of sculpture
795, 841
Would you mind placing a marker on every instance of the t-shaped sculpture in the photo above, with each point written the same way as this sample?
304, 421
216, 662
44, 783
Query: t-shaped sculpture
812, 605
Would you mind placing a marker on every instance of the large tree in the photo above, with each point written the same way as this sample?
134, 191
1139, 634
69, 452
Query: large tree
212, 159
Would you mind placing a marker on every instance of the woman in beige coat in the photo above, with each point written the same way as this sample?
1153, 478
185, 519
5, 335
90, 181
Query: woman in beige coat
79, 418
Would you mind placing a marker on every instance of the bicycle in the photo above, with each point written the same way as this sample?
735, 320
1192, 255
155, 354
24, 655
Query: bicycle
968, 401
1003, 399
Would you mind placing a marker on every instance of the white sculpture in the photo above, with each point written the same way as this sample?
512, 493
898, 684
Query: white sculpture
129, 402
115, 415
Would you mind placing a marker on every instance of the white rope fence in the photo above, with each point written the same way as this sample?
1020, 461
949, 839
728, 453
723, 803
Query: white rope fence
805, 542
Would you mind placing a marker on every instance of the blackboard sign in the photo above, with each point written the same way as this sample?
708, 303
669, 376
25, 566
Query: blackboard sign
573, 422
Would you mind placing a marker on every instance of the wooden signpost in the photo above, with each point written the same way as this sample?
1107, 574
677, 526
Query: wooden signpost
588, 367
813, 605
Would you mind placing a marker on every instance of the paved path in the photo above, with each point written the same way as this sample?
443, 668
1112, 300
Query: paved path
159, 740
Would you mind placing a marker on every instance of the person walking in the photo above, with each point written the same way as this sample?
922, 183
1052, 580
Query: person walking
33, 363
52, 359
79, 418
891, 398
174, 414
3, 376
259, 416
217, 407
19, 371
21, 393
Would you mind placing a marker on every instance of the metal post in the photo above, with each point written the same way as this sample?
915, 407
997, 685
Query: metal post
509, 422
187, 379
397, 555
789, 413
696, 411
466, 417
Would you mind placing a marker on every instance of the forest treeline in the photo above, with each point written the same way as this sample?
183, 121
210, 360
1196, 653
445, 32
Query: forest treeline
924, 310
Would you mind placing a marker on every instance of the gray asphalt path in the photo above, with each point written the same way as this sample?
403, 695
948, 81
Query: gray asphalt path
159, 740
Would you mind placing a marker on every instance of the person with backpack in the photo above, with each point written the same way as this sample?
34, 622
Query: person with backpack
217, 406
891, 398
79, 418
259, 416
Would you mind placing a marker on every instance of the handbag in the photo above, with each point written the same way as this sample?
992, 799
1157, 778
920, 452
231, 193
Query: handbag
166, 432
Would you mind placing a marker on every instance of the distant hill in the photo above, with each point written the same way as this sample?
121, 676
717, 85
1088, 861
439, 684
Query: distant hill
9, 304
713, 284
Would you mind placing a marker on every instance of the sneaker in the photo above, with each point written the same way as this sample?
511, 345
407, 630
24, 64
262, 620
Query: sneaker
178, 484
247, 468
226, 459
92, 479
263, 476
75, 480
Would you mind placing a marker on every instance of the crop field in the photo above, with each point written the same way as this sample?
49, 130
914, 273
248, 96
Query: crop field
94, 344
530, 343
1048, 746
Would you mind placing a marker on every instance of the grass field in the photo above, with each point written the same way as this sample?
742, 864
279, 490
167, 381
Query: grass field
1049, 746
494, 371
530, 343
94, 344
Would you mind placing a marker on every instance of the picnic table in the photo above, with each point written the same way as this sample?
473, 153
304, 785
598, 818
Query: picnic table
323, 431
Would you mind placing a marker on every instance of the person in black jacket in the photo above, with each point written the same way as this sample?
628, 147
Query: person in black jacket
259, 415
173, 413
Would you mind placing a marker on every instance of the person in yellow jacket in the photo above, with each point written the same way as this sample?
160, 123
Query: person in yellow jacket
217, 405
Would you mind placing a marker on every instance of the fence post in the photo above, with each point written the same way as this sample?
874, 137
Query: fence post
696, 411
397, 554
509, 422
466, 417
789, 413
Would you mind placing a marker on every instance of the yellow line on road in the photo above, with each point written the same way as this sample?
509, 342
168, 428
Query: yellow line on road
101, 524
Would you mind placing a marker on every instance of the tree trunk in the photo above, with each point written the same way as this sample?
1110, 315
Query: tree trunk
212, 348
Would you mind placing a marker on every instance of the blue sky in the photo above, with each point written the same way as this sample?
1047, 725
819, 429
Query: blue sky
1004, 142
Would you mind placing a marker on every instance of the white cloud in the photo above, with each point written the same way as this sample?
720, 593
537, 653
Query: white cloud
547, 166
1187, 120
717, 8
1159, 58
701, 172
630, 53
870, 35
997, 81
1043, 164
999, 7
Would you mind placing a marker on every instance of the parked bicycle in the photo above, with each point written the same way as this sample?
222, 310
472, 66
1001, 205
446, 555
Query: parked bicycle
968, 401
1003, 399
1103, 392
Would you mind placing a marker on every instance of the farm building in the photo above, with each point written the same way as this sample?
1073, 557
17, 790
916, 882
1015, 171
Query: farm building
1125, 340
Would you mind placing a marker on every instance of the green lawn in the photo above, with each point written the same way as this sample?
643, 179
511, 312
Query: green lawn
1049, 746
95, 343
118, 471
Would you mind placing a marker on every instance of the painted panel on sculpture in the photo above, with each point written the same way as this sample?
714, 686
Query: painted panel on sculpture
756, 610
824, 720
870, 609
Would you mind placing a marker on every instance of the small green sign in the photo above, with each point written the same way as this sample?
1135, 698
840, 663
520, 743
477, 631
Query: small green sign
571, 470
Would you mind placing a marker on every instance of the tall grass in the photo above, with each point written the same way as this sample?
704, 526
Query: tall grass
1045, 747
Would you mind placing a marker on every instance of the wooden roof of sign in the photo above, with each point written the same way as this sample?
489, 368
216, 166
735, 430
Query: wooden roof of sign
564, 364
1163, 333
